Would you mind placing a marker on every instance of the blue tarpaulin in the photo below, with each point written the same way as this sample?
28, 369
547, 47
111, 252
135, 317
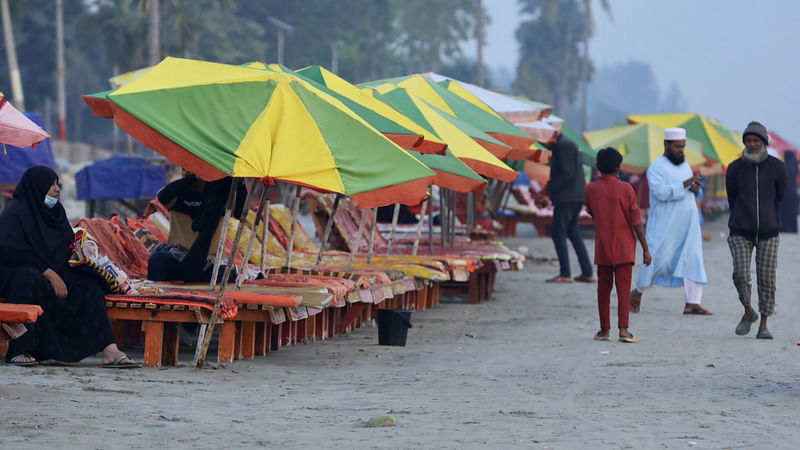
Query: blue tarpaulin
118, 178
14, 161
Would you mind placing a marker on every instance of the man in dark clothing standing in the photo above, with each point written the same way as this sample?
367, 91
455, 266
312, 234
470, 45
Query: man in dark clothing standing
566, 189
755, 183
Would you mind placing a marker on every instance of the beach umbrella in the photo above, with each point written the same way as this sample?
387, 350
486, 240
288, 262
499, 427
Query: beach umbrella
457, 134
513, 109
382, 116
781, 145
718, 146
218, 120
398, 128
640, 145
445, 100
16, 129
451, 173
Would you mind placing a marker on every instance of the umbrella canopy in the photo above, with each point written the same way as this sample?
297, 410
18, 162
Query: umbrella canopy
16, 129
218, 120
491, 124
456, 133
640, 145
383, 117
451, 173
716, 145
513, 109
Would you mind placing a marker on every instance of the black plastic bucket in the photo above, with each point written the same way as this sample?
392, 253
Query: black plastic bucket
393, 325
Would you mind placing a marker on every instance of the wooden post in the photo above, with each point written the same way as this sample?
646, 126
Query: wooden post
295, 209
372, 235
419, 228
395, 213
354, 250
200, 354
249, 249
327, 232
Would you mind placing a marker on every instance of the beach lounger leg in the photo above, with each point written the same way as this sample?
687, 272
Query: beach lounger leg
226, 342
248, 339
260, 338
119, 330
153, 341
170, 347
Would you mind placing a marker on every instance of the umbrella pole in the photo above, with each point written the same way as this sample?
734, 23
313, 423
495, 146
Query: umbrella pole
452, 232
419, 228
221, 244
327, 232
395, 214
354, 250
295, 210
443, 215
470, 213
252, 238
208, 331
264, 234
430, 225
372, 235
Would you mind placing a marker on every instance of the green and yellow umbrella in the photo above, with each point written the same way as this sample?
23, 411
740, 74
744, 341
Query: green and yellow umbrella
470, 93
456, 133
399, 129
493, 125
218, 120
451, 173
716, 145
640, 145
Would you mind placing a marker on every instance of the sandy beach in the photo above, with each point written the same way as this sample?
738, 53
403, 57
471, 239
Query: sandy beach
520, 371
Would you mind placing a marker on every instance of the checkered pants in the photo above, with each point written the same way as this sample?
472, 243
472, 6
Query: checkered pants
766, 265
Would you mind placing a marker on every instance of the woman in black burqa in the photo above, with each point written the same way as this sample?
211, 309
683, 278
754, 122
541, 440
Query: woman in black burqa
35, 238
789, 201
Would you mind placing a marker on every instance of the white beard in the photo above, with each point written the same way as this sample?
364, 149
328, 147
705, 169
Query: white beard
755, 158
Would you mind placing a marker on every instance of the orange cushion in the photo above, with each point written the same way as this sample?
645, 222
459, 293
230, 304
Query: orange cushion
16, 313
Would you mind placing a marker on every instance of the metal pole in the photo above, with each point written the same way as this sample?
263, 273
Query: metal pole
264, 235
430, 224
61, 72
395, 214
451, 233
280, 46
11, 57
295, 210
470, 213
252, 238
354, 250
443, 215
419, 228
372, 235
327, 232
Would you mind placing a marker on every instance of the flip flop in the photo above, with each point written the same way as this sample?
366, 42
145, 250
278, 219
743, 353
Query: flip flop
598, 337
559, 279
15, 361
120, 363
629, 339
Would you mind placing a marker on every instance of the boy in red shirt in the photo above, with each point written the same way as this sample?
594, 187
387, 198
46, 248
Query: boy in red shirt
612, 204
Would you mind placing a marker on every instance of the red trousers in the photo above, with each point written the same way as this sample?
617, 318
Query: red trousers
607, 276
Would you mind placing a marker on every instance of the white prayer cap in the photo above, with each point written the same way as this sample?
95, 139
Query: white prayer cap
674, 134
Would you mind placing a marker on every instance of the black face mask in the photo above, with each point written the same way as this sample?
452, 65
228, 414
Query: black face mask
677, 160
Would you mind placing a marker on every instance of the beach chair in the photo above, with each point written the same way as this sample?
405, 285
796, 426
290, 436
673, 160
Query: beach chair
12, 318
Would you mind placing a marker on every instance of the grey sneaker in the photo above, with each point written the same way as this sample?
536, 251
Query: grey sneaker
764, 334
744, 325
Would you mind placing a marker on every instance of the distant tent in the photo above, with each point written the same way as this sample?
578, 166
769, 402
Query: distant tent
14, 161
119, 177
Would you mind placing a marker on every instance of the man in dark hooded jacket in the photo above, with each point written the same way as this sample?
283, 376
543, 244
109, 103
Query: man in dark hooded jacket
755, 183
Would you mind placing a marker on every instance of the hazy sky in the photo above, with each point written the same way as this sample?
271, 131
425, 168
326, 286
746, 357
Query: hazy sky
732, 59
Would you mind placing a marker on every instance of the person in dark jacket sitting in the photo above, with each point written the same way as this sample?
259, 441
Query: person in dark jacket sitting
755, 183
